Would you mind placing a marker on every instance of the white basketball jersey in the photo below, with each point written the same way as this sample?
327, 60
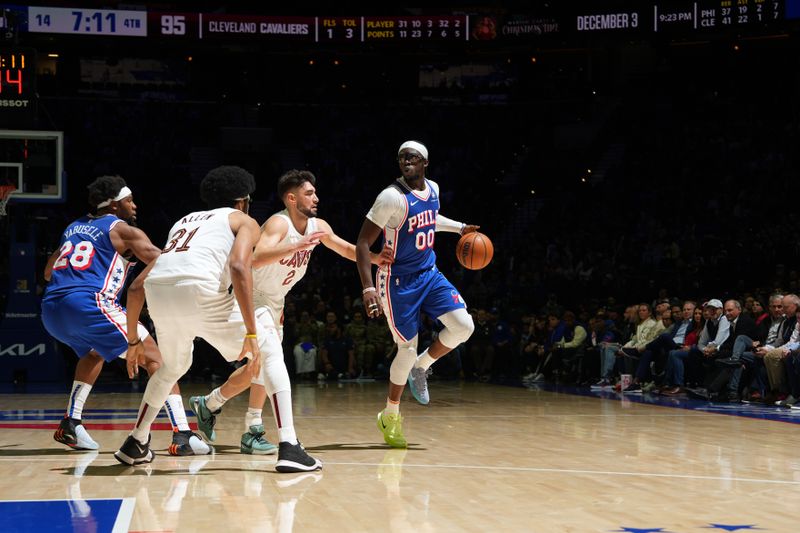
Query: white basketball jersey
197, 249
271, 283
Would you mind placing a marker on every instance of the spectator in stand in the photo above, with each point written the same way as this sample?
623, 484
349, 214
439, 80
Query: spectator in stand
503, 344
738, 324
568, 351
356, 331
555, 332
744, 356
661, 305
608, 352
320, 312
658, 349
747, 306
307, 333
647, 330
481, 349
337, 357
666, 318
379, 345
792, 363
534, 331
757, 312
714, 333
774, 355
673, 374
719, 375
603, 334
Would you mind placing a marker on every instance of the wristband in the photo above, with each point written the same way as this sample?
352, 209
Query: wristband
368, 289
135, 343
251, 336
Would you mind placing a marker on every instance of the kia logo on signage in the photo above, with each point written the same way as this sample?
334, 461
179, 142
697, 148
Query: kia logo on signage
20, 349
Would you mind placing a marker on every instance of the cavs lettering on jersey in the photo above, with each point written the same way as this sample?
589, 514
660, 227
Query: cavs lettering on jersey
197, 249
412, 241
271, 283
88, 261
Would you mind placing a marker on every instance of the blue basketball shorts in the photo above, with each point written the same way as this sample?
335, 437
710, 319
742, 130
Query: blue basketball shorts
405, 297
87, 321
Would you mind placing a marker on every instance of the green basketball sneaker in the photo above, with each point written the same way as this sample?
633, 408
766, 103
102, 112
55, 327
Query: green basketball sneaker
254, 443
392, 428
205, 417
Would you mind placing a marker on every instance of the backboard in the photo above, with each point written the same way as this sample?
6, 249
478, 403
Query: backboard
34, 162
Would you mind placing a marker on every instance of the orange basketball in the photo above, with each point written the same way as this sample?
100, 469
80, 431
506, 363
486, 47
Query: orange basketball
474, 250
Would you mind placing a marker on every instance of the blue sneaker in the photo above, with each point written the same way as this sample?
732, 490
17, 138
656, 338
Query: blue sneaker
205, 418
418, 384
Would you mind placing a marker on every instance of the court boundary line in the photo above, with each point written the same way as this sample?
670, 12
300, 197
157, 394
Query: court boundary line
269, 462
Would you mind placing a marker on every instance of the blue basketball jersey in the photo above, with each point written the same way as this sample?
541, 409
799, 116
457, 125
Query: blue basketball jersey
88, 261
413, 240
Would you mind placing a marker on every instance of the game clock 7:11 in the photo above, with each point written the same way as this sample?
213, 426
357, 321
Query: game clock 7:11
87, 21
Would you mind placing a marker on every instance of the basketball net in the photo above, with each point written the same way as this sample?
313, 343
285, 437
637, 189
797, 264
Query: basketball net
5, 194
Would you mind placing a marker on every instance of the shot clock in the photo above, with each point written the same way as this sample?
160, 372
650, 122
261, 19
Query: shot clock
17, 85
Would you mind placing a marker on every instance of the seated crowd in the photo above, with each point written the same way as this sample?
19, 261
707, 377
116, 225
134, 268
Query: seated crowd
718, 351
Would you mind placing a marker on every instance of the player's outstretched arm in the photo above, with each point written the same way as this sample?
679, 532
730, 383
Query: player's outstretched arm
348, 250
247, 235
366, 237
268, 250
445, 224
126, 238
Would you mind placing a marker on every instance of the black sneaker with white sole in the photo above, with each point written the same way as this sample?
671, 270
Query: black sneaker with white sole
132, 452
188, 443
293, 458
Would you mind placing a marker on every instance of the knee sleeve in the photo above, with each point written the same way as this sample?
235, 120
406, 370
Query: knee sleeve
458, 326
403, 361
161, 382
274, 375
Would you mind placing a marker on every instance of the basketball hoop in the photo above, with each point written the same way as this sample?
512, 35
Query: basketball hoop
5, 194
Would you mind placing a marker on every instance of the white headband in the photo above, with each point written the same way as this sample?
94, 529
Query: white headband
419, 147
123, 193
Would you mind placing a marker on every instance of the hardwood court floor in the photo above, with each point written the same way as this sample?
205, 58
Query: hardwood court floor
481, 458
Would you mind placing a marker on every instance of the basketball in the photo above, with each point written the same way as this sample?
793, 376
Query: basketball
474, 251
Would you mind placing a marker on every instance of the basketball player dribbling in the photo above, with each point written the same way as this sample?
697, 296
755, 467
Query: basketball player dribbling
188, 297
280, 261
407, 213
80, 308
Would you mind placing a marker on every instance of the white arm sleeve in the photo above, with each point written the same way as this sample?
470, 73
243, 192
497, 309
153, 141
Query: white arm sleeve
389, 209
445, 224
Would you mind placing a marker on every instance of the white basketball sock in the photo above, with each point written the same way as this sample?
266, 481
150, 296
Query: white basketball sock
252, 418
424, 361
392, 407
176, 413
215, 400
77, 397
